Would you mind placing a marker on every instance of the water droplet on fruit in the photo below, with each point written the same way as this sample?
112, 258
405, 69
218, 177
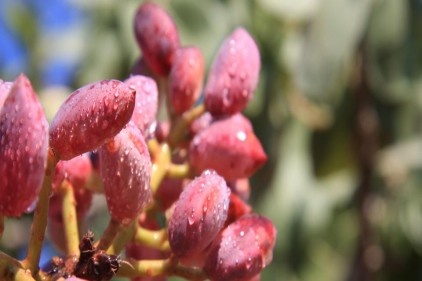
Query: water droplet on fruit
242, 233
248, 263
31, 207
191, 219
241, 135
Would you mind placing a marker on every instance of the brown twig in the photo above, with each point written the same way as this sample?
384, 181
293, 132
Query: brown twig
366, 130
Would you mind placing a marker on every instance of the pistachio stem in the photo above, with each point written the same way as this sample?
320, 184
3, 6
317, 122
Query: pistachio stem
179, 128
39, 222
178, 171
160, 166
154, 148
153, 238
70, 218
12, 269
151, 268
121, 240
113, 228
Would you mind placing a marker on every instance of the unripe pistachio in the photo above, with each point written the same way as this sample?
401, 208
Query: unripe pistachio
157, 37
125, 166
241, 250
186, 78
229, 146
146, 102
23, 148
234, 75
199, 215
90, 116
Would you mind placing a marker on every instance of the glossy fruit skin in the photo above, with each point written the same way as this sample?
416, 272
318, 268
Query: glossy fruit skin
241, 250
199, 215
168, 192
229, 146
234, 74
90, 116
125, 166
23, 148
146, 102
200, 123
237, 209
186, 78
76, 170
157, 37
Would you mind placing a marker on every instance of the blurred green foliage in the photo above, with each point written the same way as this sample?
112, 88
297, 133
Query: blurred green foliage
316, 55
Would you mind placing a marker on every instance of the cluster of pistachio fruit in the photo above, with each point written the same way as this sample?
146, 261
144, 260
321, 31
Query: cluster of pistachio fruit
177, 189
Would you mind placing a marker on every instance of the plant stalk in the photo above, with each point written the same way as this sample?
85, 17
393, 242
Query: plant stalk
70, 219
39, 223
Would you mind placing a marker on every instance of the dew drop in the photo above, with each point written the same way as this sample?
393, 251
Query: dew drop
241, 135
191, 219
249, 263
31, 207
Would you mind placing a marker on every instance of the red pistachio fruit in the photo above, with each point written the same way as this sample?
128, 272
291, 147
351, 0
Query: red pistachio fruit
146, 102
157, 37
237, 209
77, 171
241, 187
186, 78
125, 166
228, 146
241, 250
199, 215
169, 191
162, 130
234, 74
4, 91
90, 116
200, 123
23, 148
